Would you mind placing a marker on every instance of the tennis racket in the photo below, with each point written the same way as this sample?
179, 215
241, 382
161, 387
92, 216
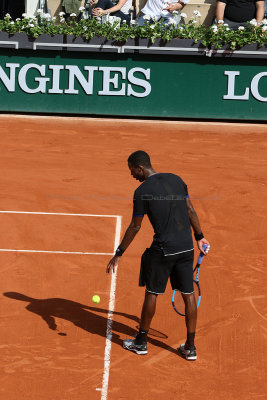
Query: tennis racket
177, 299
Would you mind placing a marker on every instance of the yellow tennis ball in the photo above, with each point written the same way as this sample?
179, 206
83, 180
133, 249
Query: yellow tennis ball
96, 298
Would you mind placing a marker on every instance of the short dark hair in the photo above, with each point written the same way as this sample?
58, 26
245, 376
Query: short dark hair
139, 157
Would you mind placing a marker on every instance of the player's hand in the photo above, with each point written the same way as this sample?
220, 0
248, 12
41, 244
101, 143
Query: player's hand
113, 264
200, 246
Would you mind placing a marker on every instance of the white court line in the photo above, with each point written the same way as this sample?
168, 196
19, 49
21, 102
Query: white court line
57, 252
49, 213
53, 213
105, 381
104, 391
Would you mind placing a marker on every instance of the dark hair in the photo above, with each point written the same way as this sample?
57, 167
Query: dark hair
139, 157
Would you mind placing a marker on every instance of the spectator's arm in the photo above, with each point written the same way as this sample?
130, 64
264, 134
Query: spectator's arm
220, 7
259, 11
117, 7
176, 6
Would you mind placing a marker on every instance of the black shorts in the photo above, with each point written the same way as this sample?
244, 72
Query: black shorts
156, 269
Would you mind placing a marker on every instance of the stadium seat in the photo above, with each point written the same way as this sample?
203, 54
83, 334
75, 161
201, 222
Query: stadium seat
205, 7
55, 7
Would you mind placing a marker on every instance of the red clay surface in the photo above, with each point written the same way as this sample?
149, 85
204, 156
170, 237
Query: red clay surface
52, 335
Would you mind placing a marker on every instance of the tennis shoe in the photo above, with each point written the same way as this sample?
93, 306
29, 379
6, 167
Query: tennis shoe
130, 344
189, 354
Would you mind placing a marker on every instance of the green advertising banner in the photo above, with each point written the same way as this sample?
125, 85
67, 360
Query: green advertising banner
94, 83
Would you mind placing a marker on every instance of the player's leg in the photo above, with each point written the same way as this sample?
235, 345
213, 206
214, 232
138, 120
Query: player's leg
182, 280
148, 312
154, 275
190, 318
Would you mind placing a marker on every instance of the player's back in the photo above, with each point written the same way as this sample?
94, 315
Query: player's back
164, 201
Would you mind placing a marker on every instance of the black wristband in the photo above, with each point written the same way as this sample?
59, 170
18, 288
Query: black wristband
199, 236
119, 252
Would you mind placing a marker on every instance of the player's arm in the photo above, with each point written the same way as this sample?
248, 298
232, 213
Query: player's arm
128, 237
194, 221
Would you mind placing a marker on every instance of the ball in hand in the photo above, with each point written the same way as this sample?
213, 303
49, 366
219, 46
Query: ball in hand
96, 299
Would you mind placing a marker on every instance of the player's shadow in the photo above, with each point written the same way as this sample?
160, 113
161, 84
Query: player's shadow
83, 316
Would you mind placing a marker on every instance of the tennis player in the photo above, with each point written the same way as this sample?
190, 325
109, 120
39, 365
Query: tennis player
164, 198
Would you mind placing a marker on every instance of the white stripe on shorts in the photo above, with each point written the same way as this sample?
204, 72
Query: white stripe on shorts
180, 252
149, 291
184, 292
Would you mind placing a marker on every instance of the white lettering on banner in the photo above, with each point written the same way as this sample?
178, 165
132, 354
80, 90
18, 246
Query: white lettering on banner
56, 79
87, 85
115, 80
10, 81
22, 78
254, 87
107, 81
139, 82
231, 87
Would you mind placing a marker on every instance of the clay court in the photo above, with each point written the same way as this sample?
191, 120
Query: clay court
66, 197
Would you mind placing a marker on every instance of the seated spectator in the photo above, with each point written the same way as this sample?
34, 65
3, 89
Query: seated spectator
237, 13
121, 9
161, 10
71, 6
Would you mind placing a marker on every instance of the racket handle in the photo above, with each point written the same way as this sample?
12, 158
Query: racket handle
201, 255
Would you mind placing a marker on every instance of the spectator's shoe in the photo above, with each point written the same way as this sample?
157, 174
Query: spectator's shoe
189, 354
130, 344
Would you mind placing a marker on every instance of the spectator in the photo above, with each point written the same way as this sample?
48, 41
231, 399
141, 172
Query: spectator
121, 9
71, 6
15, 8
237, 13
162, 10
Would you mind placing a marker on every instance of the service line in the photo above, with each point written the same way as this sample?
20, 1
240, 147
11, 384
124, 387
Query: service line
55, 251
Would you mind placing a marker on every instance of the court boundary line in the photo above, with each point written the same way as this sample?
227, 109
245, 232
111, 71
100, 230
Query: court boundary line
54, 252
58, 251
105, 380
107, 352
54, 213
148, 120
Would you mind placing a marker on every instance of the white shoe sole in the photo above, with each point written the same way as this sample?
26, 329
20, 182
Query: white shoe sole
188, 357
139, 352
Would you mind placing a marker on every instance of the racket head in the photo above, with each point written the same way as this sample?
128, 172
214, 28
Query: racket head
197, 293
178, 302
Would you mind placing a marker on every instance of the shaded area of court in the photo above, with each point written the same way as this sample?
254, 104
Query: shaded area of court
79, 166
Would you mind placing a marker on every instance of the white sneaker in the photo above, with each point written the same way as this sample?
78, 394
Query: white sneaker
188, 354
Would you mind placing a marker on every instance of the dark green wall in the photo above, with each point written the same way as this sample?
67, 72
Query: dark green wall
181, 87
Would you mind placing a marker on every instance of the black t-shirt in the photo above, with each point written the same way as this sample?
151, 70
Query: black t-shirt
240, 10
163, 198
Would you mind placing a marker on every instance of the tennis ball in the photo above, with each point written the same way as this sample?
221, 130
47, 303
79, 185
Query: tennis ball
96, 298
